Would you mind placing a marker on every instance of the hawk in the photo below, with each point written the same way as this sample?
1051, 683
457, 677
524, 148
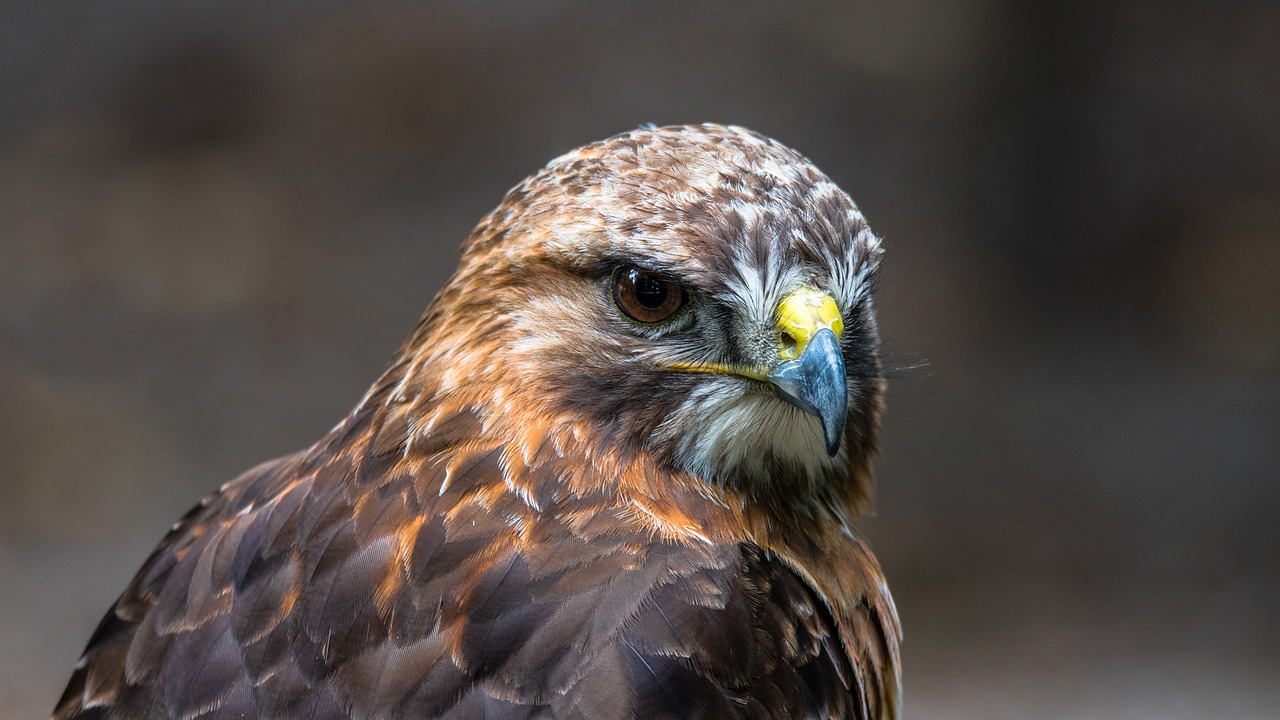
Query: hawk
613, 473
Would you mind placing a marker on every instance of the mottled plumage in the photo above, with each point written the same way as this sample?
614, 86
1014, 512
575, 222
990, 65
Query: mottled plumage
545, 509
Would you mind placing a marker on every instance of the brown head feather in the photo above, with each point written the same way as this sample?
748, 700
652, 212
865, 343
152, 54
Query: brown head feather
526, 333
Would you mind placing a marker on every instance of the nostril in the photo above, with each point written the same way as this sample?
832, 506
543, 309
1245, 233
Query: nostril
789, 344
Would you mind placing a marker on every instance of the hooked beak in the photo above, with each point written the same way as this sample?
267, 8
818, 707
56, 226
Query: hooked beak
816, 384
810, 370
811, 375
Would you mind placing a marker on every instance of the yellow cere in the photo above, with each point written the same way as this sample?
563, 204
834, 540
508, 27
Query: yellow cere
801, 314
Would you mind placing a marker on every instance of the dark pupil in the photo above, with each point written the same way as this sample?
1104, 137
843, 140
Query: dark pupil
650, 291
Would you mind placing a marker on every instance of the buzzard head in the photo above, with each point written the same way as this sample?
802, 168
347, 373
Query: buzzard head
699, 294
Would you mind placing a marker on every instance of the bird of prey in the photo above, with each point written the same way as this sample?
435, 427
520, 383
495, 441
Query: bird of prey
615, 472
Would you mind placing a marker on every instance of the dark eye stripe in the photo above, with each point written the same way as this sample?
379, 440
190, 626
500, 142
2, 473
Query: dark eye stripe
647, 297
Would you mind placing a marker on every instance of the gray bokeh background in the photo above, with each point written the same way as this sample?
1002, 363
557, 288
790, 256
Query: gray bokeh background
217, 220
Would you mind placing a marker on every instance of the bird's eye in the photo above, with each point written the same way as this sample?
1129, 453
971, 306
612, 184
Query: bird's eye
647, 297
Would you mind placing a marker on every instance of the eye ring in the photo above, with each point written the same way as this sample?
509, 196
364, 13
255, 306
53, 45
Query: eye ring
647, 297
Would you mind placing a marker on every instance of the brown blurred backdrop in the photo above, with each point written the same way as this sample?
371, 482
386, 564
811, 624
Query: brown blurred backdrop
217, 220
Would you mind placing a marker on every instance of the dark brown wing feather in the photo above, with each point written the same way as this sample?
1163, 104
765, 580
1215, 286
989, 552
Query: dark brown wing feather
354, 581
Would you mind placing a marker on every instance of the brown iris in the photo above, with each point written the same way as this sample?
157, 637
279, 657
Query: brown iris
647, 297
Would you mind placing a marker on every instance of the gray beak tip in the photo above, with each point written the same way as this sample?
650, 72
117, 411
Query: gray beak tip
816, 383
833, 439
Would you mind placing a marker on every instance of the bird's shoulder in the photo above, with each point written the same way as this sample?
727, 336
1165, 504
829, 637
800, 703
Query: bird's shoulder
362, 580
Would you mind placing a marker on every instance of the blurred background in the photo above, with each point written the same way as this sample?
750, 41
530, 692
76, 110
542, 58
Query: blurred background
218, 220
